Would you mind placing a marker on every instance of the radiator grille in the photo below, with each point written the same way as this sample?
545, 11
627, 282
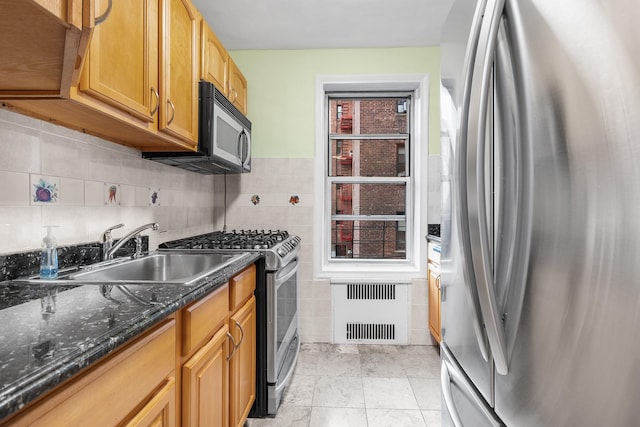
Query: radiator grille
371, 291
370, 312
370, 331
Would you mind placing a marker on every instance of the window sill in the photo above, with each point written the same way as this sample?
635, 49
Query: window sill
369, 270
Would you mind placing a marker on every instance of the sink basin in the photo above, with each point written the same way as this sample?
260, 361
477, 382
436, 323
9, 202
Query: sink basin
159, 268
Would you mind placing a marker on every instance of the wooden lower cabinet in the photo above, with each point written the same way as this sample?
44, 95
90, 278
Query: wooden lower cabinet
116, 391
219, 375
243, 362
434, 302
205, 384
161, 409
196, 368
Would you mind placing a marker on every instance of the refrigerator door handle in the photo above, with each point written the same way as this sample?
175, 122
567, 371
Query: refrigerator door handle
477, 127
460, 171
447, 395
450, 373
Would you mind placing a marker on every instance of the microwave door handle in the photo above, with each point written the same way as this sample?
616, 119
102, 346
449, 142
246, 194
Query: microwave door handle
243, 147
247, 155
239, 146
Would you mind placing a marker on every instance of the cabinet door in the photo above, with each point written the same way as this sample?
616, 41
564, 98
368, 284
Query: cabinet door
161, 409
109, 392
205, 384
237, 87
122, 65
243, 362
214, 64
179, 71
434, 303
42, 44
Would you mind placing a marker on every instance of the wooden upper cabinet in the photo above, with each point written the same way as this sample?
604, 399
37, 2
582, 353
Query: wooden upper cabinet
237, 93
122, 65
43, 45
217, 67
179, 70
126, 71
214, 63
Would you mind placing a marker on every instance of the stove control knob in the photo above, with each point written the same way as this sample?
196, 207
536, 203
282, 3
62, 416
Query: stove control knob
281, 252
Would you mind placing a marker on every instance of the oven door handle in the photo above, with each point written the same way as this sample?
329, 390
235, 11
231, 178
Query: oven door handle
286, 273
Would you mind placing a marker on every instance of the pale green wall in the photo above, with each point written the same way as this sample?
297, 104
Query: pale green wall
282, 90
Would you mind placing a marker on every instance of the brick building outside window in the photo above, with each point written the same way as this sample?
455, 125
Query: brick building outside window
369, 174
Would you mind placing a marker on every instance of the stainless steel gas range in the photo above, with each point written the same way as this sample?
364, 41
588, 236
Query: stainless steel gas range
277, 341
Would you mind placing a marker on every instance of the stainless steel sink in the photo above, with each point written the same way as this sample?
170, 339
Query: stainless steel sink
159, 268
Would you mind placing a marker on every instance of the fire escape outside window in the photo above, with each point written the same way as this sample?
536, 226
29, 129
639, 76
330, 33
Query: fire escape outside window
369, 176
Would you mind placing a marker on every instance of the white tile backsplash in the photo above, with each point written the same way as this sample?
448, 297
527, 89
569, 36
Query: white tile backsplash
189, 203
19, 145
71, 192
93, 193
83, 167
15, 188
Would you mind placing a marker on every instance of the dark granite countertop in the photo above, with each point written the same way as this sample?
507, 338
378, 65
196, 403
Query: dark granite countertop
433, 232
39, 351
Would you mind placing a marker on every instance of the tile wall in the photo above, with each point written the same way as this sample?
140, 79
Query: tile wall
51, 175
266, 199
279, 194
84, 171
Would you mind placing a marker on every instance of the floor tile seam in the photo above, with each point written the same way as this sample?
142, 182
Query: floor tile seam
399, 410
364, 396
415, 396
337, 376
338, 407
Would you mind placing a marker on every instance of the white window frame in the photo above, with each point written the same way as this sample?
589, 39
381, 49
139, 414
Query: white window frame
384, 269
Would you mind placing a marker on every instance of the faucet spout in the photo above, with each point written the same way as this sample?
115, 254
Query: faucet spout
135, 234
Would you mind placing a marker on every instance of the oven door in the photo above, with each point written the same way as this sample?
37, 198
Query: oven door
282, 316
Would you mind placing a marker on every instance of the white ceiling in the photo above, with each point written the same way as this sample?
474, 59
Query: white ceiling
314, 24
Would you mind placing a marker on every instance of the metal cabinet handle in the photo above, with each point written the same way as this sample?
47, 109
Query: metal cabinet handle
241, 332
100, 19
157, 96
480, 235
173, 110
233, 346
461, 171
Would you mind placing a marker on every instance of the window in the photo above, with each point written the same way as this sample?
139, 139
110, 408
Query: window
368, 174
370, 209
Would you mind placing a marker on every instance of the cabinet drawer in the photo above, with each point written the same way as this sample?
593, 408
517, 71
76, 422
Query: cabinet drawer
107, 394
241, 287
202, 318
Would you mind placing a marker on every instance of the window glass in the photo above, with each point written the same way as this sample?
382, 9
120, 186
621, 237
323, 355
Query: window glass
369, 157
369, 180
369, 115
366, 240
368, 199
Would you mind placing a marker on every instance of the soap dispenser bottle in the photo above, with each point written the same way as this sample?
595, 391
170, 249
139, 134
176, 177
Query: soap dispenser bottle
49, 256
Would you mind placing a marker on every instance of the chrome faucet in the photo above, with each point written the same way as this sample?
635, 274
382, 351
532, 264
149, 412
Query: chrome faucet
107, 240
108, 248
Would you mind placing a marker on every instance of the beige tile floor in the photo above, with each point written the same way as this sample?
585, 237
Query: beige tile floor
361, 386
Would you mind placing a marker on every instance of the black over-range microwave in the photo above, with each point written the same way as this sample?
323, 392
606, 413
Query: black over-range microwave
224, 138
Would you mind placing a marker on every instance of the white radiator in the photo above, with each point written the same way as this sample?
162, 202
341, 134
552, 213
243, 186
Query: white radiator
370, 313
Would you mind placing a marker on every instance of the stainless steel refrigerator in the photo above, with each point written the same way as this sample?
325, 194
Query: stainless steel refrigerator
540, 302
